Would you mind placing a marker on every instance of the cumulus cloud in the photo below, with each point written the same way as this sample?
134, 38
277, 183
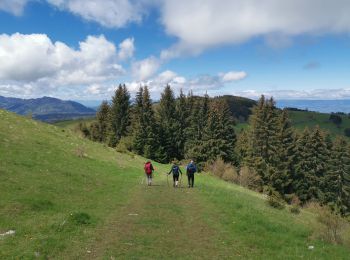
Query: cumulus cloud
13, 6
201, 83
146, 68
126, 49
233, 76
35, 57
214, 23
33, 62
109, 13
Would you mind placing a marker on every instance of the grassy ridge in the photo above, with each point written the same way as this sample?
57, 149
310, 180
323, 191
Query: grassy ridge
95, 207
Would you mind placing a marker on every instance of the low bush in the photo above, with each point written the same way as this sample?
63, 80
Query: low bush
275, 202
295, 209
333, 225
250, 179
223, 170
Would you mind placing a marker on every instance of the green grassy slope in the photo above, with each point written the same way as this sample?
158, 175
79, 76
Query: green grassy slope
302, 119
45, 187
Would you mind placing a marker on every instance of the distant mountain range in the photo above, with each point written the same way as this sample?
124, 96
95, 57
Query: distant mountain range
46, 109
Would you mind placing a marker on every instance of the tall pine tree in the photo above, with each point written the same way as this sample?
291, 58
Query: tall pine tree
120, 115
337, 178
168, 127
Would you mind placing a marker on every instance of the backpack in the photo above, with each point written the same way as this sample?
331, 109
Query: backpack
148, 168
191, 168
175, 170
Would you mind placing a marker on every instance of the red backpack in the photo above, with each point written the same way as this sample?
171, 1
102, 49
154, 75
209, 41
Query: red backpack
148, 168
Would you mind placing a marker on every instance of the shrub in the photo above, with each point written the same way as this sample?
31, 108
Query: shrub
332, 225
250, 179
217, 167
275, 202
223, 170
125, 145
230, 174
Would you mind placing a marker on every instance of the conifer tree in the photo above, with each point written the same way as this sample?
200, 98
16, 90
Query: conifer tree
168, 126
264, 142
182, 114
282, 178
120, 115
103, 119
337, 178
139, 133
219, 136
151, 143
311, 163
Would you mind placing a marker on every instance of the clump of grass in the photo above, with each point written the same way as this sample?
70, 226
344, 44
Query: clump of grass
333, 226
80, 152
80, 218
295, 209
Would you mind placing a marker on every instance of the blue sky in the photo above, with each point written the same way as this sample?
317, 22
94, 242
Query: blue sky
75, 49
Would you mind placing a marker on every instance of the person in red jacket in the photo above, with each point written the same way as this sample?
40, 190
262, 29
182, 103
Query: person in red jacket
149, 171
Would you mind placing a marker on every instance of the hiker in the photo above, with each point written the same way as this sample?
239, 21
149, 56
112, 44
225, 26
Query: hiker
190, 170
175, 169
149, 171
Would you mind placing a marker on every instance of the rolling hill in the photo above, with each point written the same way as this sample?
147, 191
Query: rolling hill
46, 109
68, 198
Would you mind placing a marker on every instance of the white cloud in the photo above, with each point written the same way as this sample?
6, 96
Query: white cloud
144, 69
199, 84
37, 65
13, 6
35, 57
321, 94
202, 24
109, 13
126, 49
233, 76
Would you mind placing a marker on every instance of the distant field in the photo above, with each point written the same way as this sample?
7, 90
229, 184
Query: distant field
71, 124
302, 119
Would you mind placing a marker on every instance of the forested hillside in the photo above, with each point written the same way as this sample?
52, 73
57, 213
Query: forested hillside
288, 164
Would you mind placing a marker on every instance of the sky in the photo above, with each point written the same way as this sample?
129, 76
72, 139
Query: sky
83, 49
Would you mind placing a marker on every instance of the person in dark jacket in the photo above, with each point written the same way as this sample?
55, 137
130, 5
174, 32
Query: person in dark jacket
190, 171
149, 172
176, 171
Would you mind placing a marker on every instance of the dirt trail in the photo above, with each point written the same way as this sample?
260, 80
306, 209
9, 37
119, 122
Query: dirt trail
158, 222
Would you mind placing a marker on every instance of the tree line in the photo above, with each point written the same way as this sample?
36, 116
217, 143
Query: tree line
309, 165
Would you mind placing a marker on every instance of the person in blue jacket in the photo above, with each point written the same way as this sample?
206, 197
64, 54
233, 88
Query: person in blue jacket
190, 171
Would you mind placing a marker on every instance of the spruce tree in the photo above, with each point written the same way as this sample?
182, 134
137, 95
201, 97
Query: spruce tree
150, 125
337, 178
264, 142
219, 136
139, 133
120, 115
285, 156
168, 126
310, 166
103, 119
